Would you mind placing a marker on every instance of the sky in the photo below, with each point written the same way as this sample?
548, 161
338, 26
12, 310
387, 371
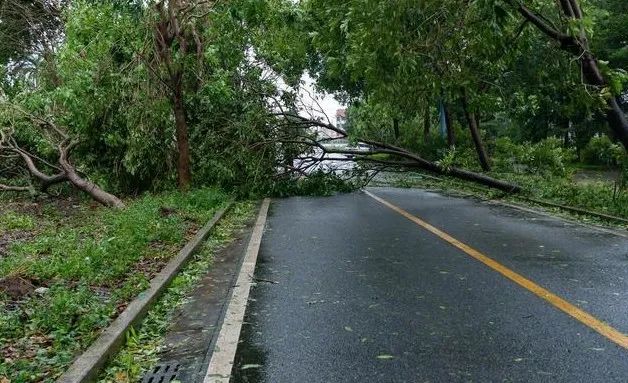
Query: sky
321, 103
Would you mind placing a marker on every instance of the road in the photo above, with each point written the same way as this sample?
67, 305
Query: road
350, 290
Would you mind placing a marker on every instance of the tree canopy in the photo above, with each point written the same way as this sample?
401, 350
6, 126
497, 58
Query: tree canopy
134, 96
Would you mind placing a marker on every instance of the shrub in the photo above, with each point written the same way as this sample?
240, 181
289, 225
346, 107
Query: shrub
547, 156
315, 184
602, 151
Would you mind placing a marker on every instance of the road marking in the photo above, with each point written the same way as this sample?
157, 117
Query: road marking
221, 362
556, 301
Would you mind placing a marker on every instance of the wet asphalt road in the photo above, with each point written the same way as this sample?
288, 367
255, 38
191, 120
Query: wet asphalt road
365, 295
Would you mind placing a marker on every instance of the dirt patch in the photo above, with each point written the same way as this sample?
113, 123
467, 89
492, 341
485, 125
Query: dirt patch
25, 348
149, 267
11, 237
16, 287
167, 211
65, 207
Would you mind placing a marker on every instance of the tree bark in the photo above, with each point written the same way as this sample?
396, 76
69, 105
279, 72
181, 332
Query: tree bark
426, 124
579, 47
451, 134
87, 186
617, 121
183, 145
475, 134
396, 128
45, 180
171, 37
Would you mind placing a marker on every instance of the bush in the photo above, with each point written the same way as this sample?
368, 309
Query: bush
602, 151
547, 156
316, 184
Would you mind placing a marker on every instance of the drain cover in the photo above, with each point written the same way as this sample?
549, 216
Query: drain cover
162, 373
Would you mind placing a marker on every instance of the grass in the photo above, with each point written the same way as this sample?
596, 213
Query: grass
86, 267
143, 345
597, 196
13, 221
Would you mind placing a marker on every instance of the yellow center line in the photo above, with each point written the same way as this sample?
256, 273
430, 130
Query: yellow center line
556, 301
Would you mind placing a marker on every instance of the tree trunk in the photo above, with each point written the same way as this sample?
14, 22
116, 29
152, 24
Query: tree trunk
617, 121
451, 134
579, 47
426, 124
566, 136
87, 186
475, 134
171, 44
183, 145
396, 128
614, 115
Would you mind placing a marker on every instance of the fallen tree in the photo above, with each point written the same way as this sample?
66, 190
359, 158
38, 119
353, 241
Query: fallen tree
65, 170
574, 40
400, 157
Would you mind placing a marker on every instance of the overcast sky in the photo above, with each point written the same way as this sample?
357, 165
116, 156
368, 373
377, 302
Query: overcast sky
321, 102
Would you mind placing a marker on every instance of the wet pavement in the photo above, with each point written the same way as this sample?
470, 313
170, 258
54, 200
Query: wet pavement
364, 295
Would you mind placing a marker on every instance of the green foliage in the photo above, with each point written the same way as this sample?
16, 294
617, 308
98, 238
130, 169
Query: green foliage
548, 156
92, 262
143, 344
107, 92
11, 221
602, 151
611, 36
315, 184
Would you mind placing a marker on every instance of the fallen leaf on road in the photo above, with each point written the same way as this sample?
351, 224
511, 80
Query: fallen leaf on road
248, 366
348, 329
385, 356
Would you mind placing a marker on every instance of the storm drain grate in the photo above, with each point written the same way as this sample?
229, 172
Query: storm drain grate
162, 373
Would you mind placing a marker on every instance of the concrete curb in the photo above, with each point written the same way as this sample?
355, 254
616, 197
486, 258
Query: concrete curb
88, 365
223, 355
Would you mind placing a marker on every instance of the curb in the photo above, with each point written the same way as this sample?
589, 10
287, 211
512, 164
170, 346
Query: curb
88, 365
222, 358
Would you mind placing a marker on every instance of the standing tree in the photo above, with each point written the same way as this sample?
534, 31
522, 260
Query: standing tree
175, 37
571, 35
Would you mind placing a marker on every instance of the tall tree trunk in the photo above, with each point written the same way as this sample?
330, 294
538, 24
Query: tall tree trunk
472, 121
617, 121
183, 145
426, 124
171, 46
451, 134
396, 128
